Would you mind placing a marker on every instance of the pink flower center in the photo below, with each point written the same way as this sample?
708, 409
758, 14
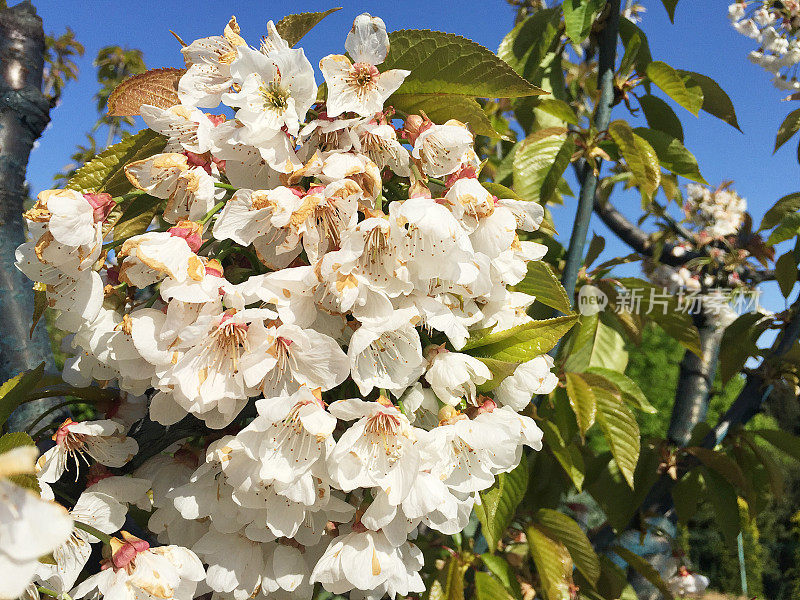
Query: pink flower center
101, 204
190, 232
125, 555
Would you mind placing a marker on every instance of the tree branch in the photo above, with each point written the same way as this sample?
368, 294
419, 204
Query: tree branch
605, 82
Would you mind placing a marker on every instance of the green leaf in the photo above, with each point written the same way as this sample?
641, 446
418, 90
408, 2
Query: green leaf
739, 343
621, 432
137, 216
628, 61
660, 116
579, 16
553, 563
723, 499
500, 370
499, 503
630, 390
725, 466
540, 281
488, 587
686, 494
501, 191
15, 391
640, 156
715, 101
596, 246
557, 108
681, 88
596, 345
628, 31
785, 206
525, 47
523, 342
104, 173
567, 455
786, 273
782, 440
672, 154
504, 572
441, 107
540, 161
790, 126
786, 229
581, 399
448, 64
292, 28
15, 439
644, 568
560, 527
670, 6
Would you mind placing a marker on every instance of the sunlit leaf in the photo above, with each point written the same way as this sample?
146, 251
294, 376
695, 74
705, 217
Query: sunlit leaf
499, 503
553, 563
292, 28
560, 527
639, 155
15, 391
620, 430
581, 399
540, 281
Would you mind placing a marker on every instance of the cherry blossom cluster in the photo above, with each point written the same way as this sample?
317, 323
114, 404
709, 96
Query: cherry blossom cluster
715, 216
714, 213
774, 25
317, 264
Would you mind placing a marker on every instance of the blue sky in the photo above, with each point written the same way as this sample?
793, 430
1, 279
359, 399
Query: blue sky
700, 40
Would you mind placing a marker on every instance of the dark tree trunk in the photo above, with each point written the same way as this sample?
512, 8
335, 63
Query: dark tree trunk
24, 113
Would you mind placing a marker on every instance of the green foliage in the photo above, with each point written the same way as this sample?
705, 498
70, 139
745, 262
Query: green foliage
660, 116
104, 173
579, 16
540, 162
448, 72
541, 282
639, 155
620, 430
499, 503
560, 527
59, 66
292, 28
520, 343
15, 391
783, 207
790, 126
672, 154
488, 587
553, 563
681, 88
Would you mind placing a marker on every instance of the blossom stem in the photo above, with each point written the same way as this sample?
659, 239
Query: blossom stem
437, 181
128, 196
103, 537
47, 591
216, 208
52, 409
119, 242
226, 186
605, 83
